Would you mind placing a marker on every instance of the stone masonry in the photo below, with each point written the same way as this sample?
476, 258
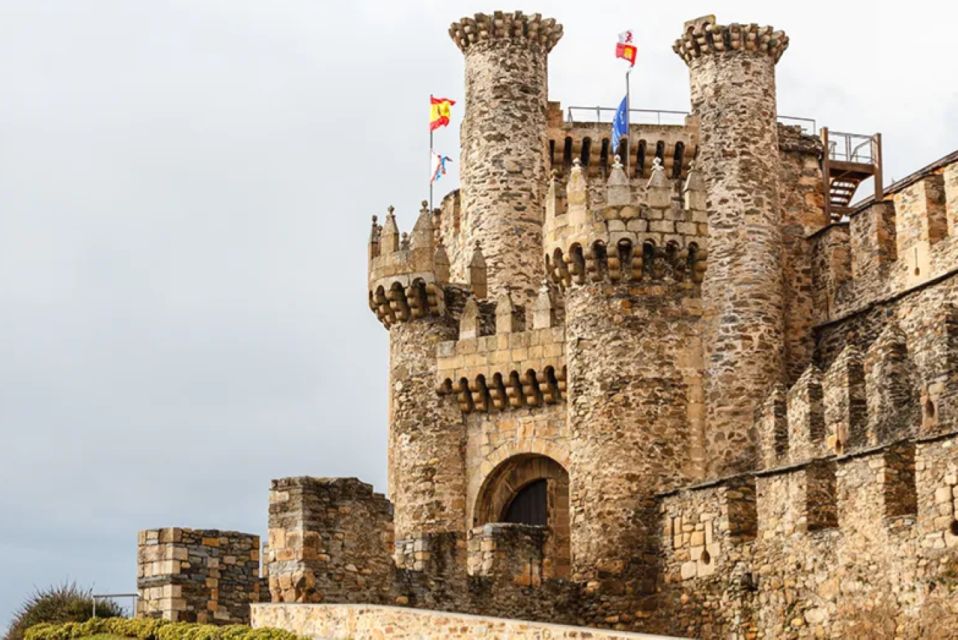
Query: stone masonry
661, 392
201, 575
503, 166
733, 97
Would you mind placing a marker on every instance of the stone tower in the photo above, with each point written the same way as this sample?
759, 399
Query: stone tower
630, 271
503, 144
426, 481
732, 74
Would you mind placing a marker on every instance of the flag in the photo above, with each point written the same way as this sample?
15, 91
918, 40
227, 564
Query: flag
439, 111
438, 166
620, 124
626, 51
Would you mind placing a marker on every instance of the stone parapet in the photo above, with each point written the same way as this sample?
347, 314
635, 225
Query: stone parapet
881, 520
366, 622
662, 237
516, 28
888, 247
506, 370
514, 553
703, 36
197, 575
406, 273
589, 142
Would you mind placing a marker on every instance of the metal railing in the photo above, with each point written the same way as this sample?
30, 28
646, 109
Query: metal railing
651, 114
101, 597
672, 117
851, 147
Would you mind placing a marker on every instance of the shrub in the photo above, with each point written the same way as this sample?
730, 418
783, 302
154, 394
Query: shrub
64, 603
154, 629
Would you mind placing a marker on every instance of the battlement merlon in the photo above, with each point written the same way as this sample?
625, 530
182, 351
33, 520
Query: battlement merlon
702, 36
650, 235
516, 27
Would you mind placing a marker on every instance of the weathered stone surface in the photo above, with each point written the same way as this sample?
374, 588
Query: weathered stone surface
204, 575
363, 622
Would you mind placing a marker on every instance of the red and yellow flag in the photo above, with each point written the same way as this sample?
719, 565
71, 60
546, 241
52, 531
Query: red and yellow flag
439, 111
626, 52
625, 48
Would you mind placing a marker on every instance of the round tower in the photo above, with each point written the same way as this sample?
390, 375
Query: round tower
503, 141
732, 76
426, 432
634, 368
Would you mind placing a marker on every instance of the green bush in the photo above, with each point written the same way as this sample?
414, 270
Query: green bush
153, 629
65, 603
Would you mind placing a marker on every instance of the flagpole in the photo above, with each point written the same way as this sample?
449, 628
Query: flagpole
628, 121
430, 168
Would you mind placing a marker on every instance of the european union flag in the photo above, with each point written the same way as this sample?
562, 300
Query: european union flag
620, 125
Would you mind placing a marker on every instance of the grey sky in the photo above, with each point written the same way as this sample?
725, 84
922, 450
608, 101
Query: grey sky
185, 191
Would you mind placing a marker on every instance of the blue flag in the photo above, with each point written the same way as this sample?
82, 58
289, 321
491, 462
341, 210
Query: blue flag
620, 125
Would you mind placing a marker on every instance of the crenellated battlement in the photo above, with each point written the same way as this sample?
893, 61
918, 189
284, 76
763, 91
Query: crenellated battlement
501, 365
652, 236
703, 36
674, 145
516, 27
406, 272
865, 397
890, 246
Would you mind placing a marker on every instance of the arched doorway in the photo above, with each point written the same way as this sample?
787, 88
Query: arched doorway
530, 489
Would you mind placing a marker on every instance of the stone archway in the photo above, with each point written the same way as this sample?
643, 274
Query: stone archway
524, 488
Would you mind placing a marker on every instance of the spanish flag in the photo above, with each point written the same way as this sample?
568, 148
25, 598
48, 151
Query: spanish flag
439, 111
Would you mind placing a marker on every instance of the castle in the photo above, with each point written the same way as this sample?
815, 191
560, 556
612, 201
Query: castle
682, 386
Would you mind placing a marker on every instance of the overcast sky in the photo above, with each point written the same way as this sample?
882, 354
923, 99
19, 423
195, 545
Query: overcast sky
185, 192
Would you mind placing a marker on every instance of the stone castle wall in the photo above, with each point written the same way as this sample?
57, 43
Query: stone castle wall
202, 575
860, 545
366, 622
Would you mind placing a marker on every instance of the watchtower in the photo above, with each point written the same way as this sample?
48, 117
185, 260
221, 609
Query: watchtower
504, 144
732, 76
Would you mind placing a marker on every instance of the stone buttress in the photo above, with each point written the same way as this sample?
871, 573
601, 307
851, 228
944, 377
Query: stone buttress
504, 144
630, 272
732, 74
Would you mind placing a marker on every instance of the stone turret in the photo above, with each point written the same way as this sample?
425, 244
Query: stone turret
630, 272
426, 439
504, 144
732, 74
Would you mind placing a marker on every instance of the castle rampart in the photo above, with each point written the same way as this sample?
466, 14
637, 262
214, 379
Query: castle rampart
890, 247
845, 546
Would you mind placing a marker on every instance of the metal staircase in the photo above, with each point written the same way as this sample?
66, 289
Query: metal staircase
850, 158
